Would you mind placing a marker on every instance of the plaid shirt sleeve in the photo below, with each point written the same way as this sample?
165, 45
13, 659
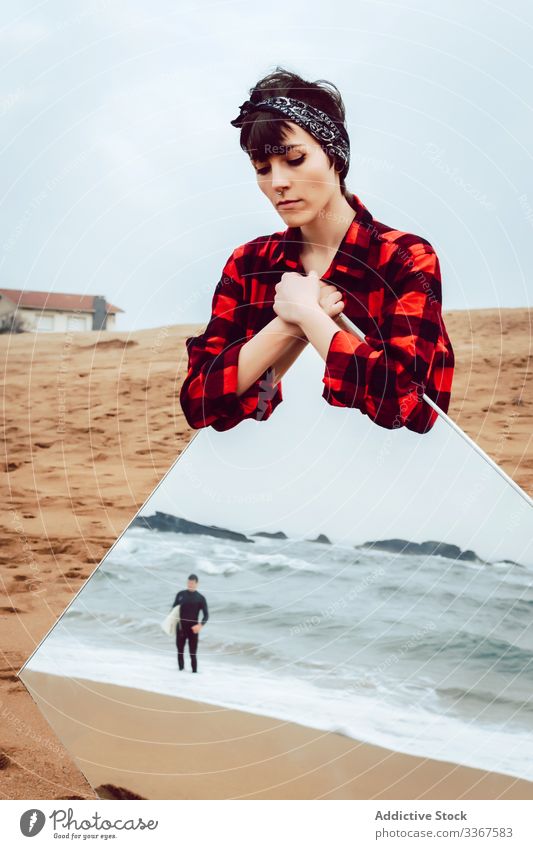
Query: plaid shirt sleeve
208, 395
407, 355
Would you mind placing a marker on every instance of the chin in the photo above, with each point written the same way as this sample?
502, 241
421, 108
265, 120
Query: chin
296, 214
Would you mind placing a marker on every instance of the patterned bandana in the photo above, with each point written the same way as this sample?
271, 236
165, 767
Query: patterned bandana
315, 121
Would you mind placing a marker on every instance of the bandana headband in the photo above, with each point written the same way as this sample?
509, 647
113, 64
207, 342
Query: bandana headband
315, 121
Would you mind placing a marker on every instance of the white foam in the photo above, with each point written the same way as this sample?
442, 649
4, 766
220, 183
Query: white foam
368, 717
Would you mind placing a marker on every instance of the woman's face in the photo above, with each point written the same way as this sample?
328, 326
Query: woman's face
299, 171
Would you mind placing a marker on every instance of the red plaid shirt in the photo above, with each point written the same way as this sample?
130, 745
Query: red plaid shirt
391, 287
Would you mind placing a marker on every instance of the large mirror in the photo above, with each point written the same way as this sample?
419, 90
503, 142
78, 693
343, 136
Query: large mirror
369, 597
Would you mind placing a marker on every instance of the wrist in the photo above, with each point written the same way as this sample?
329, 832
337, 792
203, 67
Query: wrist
313, 316
291, 329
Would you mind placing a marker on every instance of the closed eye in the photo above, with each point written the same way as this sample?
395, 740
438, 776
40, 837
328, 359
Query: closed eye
292, 162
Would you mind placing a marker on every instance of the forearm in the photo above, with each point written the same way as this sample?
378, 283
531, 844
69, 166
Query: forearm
294, 350
291, 353
319, 329
277, 345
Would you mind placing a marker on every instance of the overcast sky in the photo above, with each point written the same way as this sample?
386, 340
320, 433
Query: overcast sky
122, 175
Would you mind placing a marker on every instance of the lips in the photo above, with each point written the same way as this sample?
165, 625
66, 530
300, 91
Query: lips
288, 202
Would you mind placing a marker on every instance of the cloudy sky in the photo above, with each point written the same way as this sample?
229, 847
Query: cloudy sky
122, 175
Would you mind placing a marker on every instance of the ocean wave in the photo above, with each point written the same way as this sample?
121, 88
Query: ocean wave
109, 573
119, 622
278, 562
482, 698
211, 567
460, 645
233, 648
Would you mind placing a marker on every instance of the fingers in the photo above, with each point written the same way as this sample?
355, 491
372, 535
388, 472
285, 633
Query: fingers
333, 309
330, 298
329, 291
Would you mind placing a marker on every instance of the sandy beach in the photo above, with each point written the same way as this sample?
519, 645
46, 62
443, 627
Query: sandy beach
91, 425
191, 750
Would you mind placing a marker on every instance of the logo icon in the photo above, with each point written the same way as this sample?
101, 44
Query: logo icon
32, 822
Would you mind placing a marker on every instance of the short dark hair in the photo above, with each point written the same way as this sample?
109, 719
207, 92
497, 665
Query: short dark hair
193, 578
260, 133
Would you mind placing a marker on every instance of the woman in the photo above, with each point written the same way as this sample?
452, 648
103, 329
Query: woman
277, 293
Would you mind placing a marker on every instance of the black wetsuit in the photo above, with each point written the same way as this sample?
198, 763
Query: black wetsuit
191, 603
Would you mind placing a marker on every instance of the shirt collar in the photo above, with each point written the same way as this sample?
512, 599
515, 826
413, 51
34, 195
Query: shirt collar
287, 250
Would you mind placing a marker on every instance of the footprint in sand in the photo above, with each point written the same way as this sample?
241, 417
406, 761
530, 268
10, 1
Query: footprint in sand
28, 584
74, 798
9, 675
12, 466
5, 760
111, 791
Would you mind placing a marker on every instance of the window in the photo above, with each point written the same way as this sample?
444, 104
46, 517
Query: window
44, 322
76, 322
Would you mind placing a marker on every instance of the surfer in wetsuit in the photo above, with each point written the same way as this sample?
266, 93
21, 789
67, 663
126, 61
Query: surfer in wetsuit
191, 603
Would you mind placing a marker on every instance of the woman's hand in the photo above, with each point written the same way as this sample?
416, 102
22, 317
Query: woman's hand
296, 296
330, 300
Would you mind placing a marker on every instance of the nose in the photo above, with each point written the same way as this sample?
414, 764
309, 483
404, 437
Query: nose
280, 179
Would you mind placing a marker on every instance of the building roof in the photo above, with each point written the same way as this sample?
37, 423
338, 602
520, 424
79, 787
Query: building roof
54, 301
